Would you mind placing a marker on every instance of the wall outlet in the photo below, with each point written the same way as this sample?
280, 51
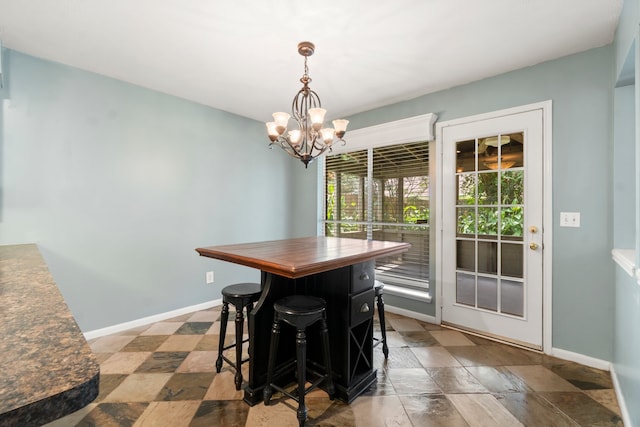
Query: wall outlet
569, 219
209, 277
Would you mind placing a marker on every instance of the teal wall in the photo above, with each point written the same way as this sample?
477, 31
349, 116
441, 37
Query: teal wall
626, 351
624, 202
118, 185
581, 88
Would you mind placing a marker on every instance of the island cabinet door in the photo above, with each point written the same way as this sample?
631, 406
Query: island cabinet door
349, 294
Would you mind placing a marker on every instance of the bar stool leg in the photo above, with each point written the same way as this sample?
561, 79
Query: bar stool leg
249, 331
223, 331
273, 352
383, 326
301, 354
324, 332
239, 330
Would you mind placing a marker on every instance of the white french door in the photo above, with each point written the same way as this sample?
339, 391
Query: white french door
492, 201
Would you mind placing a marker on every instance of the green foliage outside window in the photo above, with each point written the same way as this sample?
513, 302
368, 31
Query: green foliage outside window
509, 206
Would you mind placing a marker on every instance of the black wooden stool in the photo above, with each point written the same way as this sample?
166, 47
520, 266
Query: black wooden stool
379, 289
299, 311
240, 295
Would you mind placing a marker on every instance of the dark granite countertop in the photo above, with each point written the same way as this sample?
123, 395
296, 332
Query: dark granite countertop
47, 369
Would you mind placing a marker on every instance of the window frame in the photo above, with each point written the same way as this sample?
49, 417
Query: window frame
409, 130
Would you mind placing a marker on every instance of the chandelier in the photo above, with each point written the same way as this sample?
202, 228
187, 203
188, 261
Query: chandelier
310, 139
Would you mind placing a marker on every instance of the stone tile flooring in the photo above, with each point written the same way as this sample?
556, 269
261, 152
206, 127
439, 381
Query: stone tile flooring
164, 375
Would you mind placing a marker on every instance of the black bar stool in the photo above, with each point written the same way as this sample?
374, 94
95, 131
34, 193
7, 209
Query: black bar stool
299, 311
240, 295
379, 290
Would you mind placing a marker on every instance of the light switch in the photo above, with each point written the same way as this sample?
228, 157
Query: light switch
569, 219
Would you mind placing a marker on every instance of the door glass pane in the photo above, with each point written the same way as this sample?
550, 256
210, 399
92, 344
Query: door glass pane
511, 221
465, 289
488, 293
512, 187
487, 222
488, 188
512, 297
511, 259
466, 255
466, 221
488, 257
512, 153
467, 189
488, 152
466, 156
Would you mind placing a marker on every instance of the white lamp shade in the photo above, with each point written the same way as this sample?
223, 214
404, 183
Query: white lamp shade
271, 129
327, 135
282, 121
317, 115
295, 136
340, 125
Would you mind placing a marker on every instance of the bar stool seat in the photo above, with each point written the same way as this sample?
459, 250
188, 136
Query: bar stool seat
241, 296
300, 312
378, 286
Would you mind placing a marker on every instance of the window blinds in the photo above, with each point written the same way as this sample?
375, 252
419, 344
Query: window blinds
383, 193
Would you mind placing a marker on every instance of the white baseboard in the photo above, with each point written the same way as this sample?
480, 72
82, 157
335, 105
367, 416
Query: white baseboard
97, 333
581, 359
114, 329
624, 412
556, 352
409, 313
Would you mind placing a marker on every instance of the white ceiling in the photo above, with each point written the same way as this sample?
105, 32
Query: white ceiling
241, 55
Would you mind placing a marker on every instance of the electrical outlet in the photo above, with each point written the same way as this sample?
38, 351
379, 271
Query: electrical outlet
209, 277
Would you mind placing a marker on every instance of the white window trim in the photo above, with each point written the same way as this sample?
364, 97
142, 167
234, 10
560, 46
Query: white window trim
412, 129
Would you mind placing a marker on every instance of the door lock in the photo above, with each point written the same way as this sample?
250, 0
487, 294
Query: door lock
533, 229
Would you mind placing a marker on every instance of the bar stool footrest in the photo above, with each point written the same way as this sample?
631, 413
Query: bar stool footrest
230, 346
312, 387
233, 363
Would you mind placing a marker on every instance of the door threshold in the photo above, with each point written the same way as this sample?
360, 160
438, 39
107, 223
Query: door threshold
496, 338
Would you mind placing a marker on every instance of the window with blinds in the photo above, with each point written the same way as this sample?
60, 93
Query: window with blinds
383, 194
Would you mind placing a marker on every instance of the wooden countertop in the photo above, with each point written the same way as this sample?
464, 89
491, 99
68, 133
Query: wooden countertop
47, 369
295, 258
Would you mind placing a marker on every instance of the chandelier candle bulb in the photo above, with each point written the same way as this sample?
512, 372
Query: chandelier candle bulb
310, 140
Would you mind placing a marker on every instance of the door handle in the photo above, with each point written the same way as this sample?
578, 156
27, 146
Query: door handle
533, 246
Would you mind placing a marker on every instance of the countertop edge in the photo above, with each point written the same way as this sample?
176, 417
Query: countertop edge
54, 407
49, 370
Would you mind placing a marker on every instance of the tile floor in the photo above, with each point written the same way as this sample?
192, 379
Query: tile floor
164, 375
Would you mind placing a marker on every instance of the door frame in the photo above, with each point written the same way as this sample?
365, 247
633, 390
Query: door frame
547, 211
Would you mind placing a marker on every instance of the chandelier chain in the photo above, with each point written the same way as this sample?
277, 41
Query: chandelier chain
312, 138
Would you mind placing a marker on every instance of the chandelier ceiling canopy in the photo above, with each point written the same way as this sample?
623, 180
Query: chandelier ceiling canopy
310, 139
